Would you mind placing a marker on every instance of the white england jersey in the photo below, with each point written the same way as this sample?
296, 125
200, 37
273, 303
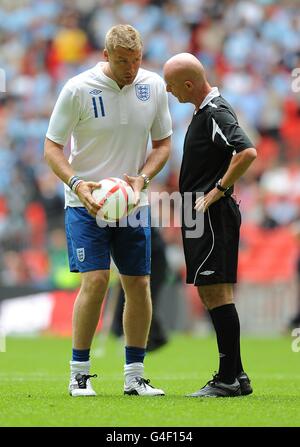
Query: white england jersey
109, 126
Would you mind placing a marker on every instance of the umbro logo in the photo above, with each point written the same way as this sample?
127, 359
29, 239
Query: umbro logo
95, 92
207, 272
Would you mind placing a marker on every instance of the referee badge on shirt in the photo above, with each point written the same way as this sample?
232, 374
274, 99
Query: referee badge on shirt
80, 254
142, 91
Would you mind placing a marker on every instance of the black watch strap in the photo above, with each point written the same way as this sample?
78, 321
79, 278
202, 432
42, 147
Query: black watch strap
221, 188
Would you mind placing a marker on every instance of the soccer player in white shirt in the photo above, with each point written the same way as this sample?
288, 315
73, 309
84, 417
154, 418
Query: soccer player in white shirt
110, 111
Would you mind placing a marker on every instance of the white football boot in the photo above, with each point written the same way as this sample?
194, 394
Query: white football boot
136, 385
80, 384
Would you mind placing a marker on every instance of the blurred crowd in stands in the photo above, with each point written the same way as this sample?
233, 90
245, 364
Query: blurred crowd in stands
249, 48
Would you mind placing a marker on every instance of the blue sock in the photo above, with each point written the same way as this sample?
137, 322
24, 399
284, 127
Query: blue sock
134, 355
80, 355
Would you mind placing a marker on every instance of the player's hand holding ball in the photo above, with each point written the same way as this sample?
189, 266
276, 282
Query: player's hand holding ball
84, 191
115, 199
137, 184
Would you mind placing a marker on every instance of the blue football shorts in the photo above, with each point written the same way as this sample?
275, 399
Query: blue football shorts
91, 246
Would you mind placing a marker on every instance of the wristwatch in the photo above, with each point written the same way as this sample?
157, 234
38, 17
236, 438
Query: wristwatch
146, 180
221, 188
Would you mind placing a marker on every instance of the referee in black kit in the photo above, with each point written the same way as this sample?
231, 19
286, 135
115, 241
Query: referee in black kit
216, 153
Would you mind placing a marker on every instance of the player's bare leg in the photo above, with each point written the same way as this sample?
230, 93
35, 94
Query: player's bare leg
87, 307
137, 311
86, 314
136, 324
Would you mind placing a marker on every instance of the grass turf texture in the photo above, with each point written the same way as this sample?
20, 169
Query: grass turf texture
34, 378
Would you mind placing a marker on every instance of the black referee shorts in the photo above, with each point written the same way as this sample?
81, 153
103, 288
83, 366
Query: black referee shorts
212, 258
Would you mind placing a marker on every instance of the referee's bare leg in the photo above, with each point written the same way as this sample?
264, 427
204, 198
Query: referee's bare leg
216, 295
218, 299
230, 379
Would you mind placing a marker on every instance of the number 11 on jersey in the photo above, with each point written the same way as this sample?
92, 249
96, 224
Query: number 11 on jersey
96, 111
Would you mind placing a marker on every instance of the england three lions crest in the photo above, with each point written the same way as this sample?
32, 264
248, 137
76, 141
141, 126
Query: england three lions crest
142, 91
80, 254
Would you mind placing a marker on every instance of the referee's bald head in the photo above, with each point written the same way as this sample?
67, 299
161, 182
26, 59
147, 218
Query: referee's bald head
185, 78
185, 64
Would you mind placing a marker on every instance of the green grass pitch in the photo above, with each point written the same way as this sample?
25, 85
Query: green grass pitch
34, 376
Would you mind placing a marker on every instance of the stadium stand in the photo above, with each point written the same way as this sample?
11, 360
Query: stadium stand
250, 49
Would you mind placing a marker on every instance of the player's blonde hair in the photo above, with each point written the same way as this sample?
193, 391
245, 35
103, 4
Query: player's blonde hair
124, 36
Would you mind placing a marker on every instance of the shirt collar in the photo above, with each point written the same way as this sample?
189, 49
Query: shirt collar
98, 71
212, 94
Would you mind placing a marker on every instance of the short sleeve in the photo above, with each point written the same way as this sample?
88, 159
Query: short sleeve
64, 117
162, 124
225, 131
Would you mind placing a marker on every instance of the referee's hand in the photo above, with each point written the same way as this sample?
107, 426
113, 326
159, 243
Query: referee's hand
204, 202
84, 192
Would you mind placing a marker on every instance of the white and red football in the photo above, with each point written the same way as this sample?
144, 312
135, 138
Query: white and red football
116, 198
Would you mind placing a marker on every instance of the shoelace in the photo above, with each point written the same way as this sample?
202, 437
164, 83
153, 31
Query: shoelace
213, 381
82, 379
142, 381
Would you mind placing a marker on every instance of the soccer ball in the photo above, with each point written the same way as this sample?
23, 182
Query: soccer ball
116, 198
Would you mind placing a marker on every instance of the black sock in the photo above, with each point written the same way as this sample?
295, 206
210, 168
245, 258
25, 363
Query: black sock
227, 326
239, 365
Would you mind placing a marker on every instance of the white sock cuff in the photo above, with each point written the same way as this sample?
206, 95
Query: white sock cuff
133, 368
80, 366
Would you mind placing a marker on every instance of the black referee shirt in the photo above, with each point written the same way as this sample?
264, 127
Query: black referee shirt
213, 136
